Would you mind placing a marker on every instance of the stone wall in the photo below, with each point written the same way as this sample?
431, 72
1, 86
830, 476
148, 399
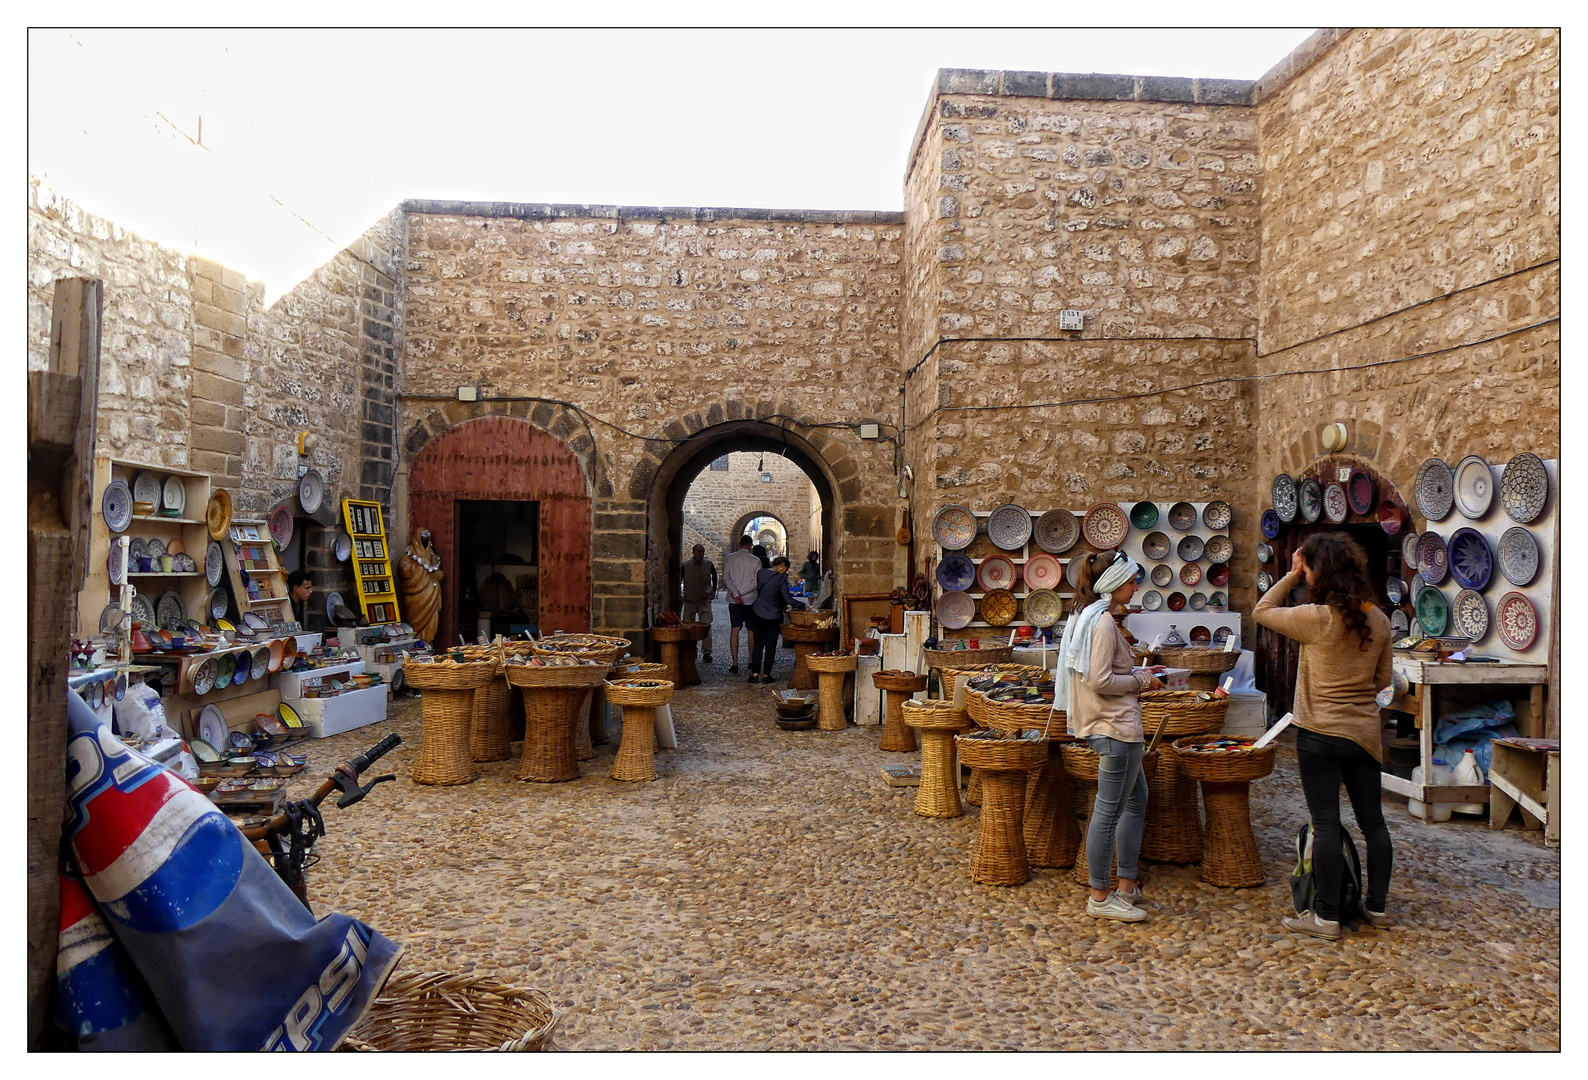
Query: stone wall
671, 330
1411, 208
717, 501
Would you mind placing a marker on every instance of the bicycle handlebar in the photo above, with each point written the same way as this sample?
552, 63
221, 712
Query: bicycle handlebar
350, 769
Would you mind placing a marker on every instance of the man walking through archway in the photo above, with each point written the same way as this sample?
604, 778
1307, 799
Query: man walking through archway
739, 571
700, 589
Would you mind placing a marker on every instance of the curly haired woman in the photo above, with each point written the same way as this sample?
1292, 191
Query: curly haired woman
1345, 659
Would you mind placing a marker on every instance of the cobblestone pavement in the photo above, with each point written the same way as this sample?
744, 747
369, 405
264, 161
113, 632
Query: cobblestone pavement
770, 892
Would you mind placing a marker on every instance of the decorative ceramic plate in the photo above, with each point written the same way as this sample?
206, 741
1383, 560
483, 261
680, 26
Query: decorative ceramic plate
1471, 615
203, 683
173, 495
277, 651
116, 564
1217, 515
1162, 575
1105, 526
1395, 589
1435, 489
143, 612
1219, 574
1151, 600
170, 612
995, 572
184, 564
954, 573
1335, 507
1198, 601
1216, 600
1057, 531
1043, 608
225, 668
1309, 497
254, 621
1144, 515
1043, 571
281, 527
1433, 560
154, 547
1474, 486
1270, 524
343, 544
1409, 549
1399, 623
219, 602
1219, 549
311, 491
1201, 635
1141, 573
953, 527
1265, 553
1191, 548
1176, 601
1524, 488
1190, 574
116, 506
1518, 621
1518, 556
954, 610
260, 665
1471, 561
244, 664
1221, 635
121, 685
1285, 498
146, 488
1432, 611
1359, 491
288, 715
1391, 518
1155, 546
1009, 527
998, 607
110, 618
1265, 581
1182, 516
137, 548
1416, 585
218, 514
212, 725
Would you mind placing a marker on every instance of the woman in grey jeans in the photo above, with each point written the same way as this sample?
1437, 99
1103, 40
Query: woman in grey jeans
1097, 687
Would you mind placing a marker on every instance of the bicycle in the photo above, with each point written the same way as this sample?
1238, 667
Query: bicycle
288, 838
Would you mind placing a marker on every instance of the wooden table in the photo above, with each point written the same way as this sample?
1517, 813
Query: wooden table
1526, 774
1437, 688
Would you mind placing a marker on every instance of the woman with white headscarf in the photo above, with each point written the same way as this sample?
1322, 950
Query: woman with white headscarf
1096, 684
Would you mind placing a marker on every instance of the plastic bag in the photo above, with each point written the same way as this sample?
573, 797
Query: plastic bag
140, 712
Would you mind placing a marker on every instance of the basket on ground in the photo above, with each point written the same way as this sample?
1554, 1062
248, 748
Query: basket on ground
1198, 660
437, 1011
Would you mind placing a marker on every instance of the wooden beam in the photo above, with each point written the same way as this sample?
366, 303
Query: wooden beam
62, 413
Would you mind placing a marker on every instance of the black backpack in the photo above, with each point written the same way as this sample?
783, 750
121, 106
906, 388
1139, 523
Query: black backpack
1303, 888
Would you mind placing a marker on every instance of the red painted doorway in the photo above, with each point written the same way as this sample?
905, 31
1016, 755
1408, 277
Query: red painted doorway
504, 459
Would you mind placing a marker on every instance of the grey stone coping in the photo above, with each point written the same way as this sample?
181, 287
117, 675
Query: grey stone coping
1299, 59
549, 211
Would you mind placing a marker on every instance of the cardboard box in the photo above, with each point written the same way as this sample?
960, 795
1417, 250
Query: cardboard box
1247, 714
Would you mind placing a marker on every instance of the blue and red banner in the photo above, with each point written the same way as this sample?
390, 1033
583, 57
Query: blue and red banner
230, 957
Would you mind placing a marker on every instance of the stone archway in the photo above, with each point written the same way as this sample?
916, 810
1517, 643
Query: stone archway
742, 524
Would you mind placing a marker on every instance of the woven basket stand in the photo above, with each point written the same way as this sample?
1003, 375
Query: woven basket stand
937, 721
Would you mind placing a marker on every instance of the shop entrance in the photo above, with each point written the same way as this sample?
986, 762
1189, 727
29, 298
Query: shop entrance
498, 566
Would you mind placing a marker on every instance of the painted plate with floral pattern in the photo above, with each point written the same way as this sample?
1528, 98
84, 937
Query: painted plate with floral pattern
1432, 611
1009, 527
1471, 561
1309, 496
998, 607
1335, 506
1217, 515
1433, 560
1518, 556
1057, 531
1285, 498
1518, 621
1435, 489
1105, 526
1471, 615
953, 527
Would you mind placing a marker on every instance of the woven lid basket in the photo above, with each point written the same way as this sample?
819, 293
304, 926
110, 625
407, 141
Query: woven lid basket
436, 1011
1187, 713
640, 671
935, 715
446, 675
831, 664
1223, 766
1001, 755
645, 692
572, 676
964, 658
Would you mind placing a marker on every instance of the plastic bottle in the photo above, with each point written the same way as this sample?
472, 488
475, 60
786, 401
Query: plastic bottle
1469, 773
1441, 775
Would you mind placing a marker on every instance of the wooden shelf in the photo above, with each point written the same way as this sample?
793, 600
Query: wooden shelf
155, 519
162, 574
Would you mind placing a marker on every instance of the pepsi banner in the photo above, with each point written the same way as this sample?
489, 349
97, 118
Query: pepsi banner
231, 958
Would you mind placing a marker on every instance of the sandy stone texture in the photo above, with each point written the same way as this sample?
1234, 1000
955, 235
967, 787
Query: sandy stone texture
769, 892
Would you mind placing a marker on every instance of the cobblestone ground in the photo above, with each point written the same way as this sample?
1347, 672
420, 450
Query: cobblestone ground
770, 892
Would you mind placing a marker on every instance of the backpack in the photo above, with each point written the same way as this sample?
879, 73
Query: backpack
1303, 887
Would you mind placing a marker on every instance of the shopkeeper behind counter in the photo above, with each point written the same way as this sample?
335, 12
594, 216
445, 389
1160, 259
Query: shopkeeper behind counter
298, 589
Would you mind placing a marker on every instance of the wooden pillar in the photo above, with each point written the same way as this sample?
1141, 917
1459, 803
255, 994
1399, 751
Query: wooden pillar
62, 413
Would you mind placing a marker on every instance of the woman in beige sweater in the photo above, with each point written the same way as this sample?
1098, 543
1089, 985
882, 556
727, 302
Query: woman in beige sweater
1345, 661
1097, 683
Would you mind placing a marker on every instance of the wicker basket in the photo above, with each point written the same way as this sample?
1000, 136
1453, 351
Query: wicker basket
645, 692
436, 1011
1224, 766
445, 756
829, 665
1051, 834
581, 676
1187, 713
450, 676
935, 715
1001, 755
1015, 716
670, 634
938, 721
639, 671
964, 658
899, 684
1172, 832
636, 757
490, 722
999, 857
808, 635
1198, 660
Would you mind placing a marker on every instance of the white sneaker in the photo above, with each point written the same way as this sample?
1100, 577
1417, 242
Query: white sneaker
1115, 907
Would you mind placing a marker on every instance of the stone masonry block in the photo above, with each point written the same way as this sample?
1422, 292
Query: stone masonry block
228, 367
1224, 91
227, 322
214, 388
1094, 87
1025, 84
1165, 88
217, 440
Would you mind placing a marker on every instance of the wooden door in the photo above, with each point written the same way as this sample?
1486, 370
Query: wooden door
500, 458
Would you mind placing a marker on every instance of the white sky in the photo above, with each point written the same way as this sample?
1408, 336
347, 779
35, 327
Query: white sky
341, 125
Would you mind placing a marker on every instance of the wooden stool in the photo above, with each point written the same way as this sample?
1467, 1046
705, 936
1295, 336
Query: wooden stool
938, 722
831, 670
639, 699
999, 857
553, 697
1525, 773
1052, 835
669, 638
488, 728
806, 640
896, 690
1230, 858
447, 702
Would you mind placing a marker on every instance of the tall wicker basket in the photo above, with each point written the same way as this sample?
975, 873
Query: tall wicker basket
447, 691
831, 671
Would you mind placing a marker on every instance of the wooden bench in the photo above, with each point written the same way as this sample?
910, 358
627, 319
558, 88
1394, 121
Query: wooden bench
1525, 773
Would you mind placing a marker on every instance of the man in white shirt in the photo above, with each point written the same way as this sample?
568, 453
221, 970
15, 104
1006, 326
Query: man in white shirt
739, 572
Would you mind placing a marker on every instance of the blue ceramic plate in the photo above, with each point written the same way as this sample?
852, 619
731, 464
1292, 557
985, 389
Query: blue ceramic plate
1471, 561
1270, 524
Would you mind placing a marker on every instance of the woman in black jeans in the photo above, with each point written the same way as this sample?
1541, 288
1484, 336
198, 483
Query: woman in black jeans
1345, 661
772, 598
